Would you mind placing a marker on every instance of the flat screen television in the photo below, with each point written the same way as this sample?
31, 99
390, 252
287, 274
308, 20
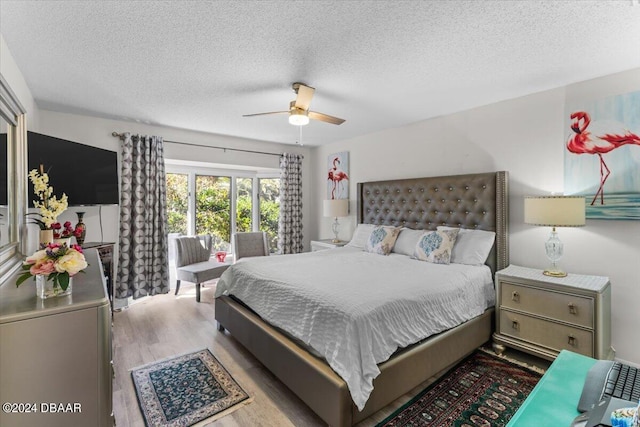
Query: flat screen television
87, 175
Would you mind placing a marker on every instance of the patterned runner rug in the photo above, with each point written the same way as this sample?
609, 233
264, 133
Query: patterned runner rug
482, 390
185, 390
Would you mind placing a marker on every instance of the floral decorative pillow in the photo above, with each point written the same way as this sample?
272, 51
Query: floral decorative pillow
436, 246
382, 239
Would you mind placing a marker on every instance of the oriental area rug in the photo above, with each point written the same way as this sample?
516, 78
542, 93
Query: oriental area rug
185, 390
482, 390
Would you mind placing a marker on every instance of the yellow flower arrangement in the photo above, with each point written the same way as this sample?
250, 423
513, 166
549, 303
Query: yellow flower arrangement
49, 205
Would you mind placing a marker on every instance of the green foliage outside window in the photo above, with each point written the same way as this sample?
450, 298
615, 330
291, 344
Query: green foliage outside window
177, 202
213, 207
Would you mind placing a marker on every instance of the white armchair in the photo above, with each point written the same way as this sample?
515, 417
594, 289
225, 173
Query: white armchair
250, 244
193, 262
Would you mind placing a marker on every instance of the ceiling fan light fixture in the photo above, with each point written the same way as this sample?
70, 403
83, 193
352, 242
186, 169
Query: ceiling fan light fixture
298, 118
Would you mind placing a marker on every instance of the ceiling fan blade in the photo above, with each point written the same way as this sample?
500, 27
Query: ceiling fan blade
325, 118
264, 114
305, 93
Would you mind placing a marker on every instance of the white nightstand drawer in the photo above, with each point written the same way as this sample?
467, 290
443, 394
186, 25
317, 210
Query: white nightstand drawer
321, 245
574, 309
548, 334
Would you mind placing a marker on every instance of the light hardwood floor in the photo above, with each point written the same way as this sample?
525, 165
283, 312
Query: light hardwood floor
165, 326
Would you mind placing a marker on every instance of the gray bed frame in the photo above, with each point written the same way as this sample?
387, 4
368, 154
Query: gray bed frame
476, 201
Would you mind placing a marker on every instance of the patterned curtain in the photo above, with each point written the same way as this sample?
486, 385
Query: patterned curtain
290, 222
143, 261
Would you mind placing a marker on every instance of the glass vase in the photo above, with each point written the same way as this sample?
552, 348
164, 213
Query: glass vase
46, 289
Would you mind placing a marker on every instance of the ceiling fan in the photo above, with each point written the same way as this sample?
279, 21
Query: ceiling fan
299, 113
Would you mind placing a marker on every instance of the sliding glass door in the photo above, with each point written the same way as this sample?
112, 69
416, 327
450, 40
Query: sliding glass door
270, 209
207, 201
213, 209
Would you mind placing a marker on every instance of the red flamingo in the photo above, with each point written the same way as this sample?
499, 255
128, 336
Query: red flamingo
584, 142
336, 176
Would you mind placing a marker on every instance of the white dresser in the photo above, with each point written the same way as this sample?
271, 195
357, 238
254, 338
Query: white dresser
543, 315
56, 351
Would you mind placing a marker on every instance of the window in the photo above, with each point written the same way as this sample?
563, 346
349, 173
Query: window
218, 202
213, 209
270, 209
177, 202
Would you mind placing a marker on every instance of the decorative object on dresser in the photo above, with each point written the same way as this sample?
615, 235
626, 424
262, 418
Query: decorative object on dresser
336, 208
469, 394
165, 401
320, 245
53, 268
543, 315
48, 205
554, 211
81, 229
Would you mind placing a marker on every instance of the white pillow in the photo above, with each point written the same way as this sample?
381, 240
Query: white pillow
361, 236
407, 241
472, 247
436, 246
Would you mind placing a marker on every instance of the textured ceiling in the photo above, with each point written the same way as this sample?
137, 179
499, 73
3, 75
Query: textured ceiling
378, 64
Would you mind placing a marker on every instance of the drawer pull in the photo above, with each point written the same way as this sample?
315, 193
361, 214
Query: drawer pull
515, 296
572, 341
515, 325
573, 309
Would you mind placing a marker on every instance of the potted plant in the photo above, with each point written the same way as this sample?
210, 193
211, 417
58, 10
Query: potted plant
50, 207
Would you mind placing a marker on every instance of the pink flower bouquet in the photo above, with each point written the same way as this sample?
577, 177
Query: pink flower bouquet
56, 262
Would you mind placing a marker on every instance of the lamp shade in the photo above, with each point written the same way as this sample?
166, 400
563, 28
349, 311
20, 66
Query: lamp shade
554, 211
336, 208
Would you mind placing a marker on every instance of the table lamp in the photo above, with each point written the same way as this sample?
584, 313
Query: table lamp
554, 211
336, 208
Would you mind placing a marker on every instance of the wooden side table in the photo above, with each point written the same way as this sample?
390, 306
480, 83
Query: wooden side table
320, 245
105, 250
543, 315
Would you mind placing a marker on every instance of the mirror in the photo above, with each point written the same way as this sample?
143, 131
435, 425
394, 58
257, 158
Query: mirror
13, 133
4, 185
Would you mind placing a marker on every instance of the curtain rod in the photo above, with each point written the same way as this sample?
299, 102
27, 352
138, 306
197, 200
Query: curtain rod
121, 135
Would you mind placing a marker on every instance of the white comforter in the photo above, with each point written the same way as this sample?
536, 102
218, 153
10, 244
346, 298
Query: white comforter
356, 308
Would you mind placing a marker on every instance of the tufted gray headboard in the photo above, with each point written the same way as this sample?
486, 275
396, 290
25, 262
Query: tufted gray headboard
475, 201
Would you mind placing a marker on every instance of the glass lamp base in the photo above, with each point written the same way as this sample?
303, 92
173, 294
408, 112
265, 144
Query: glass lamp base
335, 227
554, 249
554, 273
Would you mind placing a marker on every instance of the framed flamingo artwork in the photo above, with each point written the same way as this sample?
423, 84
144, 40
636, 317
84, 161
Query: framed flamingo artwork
602, 155
338, 176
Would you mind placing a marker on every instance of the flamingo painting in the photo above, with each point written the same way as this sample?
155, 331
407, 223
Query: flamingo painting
338, 178
598, 141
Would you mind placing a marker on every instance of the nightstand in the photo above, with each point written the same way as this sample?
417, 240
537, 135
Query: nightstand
543, 315
320, 245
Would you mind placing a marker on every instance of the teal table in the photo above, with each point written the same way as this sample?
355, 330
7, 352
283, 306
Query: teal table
554, 400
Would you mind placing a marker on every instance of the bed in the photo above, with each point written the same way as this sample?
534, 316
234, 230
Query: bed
475, 201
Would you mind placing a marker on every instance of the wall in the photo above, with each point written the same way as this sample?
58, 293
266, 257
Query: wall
526, 137
97, 132
13, 76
